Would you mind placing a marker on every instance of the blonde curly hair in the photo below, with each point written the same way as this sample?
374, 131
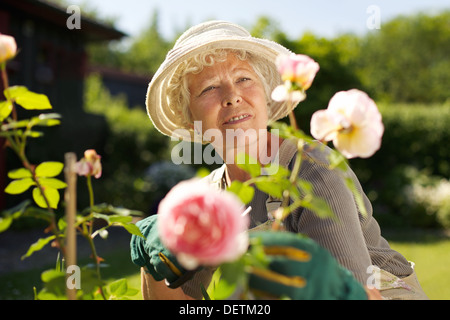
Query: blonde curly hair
178, 91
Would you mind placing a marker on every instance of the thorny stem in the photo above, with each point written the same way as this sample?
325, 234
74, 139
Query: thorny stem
19, 148
292, 120
88, 235
286, 196
294, 174
96, 260
6, 86
91, 199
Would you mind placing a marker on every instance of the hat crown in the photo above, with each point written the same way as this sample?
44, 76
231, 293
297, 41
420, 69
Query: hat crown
210, 30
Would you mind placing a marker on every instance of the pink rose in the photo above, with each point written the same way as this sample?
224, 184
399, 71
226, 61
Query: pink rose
8, 48
201, 225
352, 121
298, 73
90, 165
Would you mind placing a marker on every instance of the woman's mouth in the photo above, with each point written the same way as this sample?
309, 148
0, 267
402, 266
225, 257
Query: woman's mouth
238, 119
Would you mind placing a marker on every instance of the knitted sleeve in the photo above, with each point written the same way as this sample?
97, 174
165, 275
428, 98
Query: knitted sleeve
353, 239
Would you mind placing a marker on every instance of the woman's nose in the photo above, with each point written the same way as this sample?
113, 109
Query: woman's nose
231, 97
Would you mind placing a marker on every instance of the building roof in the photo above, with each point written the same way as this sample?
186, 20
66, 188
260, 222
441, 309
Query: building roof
91, 29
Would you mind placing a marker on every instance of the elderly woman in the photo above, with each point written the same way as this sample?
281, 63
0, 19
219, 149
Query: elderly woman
216, 84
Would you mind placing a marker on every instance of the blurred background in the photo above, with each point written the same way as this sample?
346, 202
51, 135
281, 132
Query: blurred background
96, 73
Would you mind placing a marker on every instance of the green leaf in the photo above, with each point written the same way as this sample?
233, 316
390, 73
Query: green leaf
243, 191
51, 274
120, 219
305, 186
278, 172
319, 206
5, 222
49, 169
133, 229
202, 172
337, 160
62, 224
47, 120
275, 187
357, 195
249, 164
34, 134
109, 209
101, 216
288, 132
38, 213
19, 186
13, 213
272, 189
89, 280
15, 124
51, 194
119, 287
5, 109
54, 285
132, 292
38, 245
231, 275
52, 183
27, 99
19, 174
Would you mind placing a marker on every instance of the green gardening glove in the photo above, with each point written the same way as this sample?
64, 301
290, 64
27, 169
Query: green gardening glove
300, 269
157, 260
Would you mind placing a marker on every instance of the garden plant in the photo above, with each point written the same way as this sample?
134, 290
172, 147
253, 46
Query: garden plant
63, 281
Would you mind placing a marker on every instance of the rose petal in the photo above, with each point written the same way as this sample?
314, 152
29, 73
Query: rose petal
361, 142
321, 127
200, 224
280, 93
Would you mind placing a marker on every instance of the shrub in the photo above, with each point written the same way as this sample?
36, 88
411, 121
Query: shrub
430, 195
131, 146
414, 144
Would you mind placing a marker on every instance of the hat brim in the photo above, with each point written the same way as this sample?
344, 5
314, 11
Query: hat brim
166, 118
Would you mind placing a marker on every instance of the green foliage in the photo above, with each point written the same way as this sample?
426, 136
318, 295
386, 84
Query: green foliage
144, 55
44, 181
38, 245
131, 146
407, 59
27, 99
414, 142
46, 195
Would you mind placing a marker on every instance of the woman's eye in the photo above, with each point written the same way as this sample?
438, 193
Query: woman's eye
207, 89
244, 79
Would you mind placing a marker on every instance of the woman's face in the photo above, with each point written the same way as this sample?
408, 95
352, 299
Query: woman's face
228, 96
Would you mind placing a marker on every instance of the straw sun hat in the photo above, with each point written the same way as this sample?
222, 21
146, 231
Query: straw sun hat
210, 35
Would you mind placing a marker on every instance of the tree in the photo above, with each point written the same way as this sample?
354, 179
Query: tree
407, 59
143, 55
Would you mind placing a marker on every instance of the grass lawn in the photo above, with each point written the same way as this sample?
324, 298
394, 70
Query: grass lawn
428, 249
431, 254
